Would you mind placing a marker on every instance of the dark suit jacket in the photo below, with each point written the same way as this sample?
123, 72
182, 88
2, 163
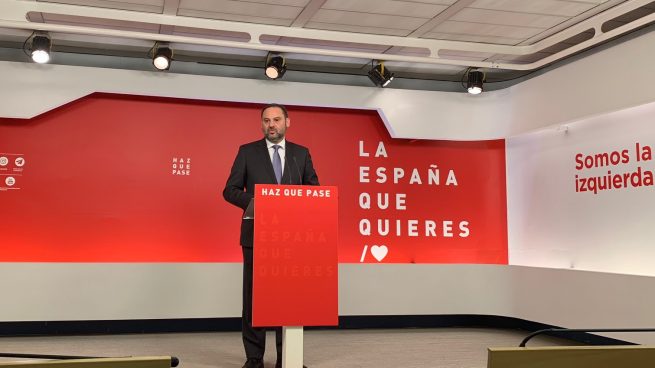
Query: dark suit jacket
253, 166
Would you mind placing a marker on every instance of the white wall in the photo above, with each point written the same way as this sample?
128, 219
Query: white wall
407, 114
575, 299
606, 81
609, 80
544, 230
552, 225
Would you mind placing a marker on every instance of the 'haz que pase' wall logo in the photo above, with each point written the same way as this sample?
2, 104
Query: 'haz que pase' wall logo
181, 166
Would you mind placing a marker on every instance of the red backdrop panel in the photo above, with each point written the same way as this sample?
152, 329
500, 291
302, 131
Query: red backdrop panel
295, 274
114, 178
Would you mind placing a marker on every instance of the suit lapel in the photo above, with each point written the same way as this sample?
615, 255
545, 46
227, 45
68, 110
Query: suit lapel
265, 157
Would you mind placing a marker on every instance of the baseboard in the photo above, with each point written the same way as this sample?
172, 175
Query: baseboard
95, 327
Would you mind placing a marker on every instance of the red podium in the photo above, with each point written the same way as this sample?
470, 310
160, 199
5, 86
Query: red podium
295, 270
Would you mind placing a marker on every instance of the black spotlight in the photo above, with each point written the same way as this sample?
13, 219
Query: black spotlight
475, 82
276, 66
162, 57
40, 50
380, 76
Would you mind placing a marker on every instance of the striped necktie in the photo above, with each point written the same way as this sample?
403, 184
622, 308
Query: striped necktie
277, 163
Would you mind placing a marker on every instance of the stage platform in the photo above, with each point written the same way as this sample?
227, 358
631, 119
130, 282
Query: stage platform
374, 348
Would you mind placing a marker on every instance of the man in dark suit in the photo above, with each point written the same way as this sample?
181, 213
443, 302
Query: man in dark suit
271, 160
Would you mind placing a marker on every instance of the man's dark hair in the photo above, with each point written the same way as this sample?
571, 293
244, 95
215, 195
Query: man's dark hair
281, 107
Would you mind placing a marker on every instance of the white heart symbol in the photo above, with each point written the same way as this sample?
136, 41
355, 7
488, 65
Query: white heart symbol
379, 252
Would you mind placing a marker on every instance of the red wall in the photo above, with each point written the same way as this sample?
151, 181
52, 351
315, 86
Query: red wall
98, 185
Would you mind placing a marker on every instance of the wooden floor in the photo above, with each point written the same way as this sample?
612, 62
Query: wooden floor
406, 348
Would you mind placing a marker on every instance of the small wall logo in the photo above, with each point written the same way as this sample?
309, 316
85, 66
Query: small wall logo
181, 166
11, 170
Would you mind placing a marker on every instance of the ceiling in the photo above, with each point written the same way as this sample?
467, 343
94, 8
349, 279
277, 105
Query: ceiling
419, 39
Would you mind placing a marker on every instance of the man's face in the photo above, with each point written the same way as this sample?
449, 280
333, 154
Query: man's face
274, 125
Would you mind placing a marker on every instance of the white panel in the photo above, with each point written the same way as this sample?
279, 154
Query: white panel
330, 62
225, 52
242, 8
424, 289
424, 68
299, 3
389, 7
414, 51
478, 29
552, 225
12, 34
234, 17
574, 91
568, 298
507, 18
368, 20
52, 292
546, 7
210, 33
437, 2
341, 62
466, 55
100, 23
331, 45
458, 112
520, 58
579, 299
151, 6
357, 29
473, 38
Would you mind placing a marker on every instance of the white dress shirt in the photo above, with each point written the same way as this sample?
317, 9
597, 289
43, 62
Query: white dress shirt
280, 150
